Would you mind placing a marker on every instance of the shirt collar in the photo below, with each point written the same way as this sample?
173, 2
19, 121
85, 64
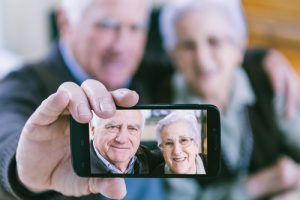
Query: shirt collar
111, 167
74, 67
76, 70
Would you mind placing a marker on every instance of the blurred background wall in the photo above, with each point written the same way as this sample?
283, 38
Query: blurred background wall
275, 23
25, 27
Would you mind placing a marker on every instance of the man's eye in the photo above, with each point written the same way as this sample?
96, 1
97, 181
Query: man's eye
187, 45
107, 24
138, 27
112, 127
214, 42
132, 128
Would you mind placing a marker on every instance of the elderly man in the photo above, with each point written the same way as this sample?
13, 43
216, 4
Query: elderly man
96, 42
115, 145
207, 40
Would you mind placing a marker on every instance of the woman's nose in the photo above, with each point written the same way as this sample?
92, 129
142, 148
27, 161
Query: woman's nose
177, 148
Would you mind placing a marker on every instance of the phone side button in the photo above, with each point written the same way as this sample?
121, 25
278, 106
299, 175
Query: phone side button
216, 143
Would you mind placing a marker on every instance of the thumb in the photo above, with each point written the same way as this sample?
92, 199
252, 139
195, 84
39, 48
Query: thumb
113, 188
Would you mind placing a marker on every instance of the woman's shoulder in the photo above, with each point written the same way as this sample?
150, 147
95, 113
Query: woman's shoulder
204, 160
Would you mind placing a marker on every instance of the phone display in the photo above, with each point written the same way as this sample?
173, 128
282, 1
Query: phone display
149, 141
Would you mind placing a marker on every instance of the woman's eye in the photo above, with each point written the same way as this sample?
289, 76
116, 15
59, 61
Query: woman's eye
169, 143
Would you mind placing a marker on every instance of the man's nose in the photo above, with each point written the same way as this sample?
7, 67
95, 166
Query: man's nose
122, 136
121, 40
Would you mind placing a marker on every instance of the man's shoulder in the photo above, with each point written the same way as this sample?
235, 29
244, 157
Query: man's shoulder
42, 76
97, 166
148, 157
153, 81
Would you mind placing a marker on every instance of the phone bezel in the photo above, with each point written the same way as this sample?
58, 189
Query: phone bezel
79, 140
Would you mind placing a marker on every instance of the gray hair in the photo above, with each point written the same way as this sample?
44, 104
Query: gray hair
179, 116
176, 8
74, 9
97, 121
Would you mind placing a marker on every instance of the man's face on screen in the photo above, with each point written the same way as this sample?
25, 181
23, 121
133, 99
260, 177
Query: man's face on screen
118, 138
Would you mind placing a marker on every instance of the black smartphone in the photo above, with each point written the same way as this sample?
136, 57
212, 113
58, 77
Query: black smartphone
173, 140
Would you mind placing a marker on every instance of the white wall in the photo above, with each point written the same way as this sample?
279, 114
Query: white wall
24, 26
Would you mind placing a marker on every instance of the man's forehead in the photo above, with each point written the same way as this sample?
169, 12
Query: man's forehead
126, 116
121, 9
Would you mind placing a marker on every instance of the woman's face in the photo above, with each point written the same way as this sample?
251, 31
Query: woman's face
206, 53
179, 148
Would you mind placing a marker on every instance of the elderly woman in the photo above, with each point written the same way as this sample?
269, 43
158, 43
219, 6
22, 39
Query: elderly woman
178, 137
206, 40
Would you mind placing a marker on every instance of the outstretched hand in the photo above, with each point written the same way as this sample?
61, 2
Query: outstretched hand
43, 153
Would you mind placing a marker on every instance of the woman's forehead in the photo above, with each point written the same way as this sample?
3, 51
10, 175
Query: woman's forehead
177, 130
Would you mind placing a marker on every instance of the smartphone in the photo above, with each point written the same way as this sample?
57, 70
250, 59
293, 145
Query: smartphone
172, 140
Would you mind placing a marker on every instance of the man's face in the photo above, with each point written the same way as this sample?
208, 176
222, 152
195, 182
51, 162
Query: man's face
205, 51
118, 138
108, 42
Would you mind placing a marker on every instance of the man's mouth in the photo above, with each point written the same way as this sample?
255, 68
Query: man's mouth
120, 147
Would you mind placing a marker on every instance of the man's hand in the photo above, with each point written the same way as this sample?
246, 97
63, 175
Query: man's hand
284, 80
289, 195
284, 175
43, 153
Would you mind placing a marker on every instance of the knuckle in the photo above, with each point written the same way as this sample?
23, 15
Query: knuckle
92, 83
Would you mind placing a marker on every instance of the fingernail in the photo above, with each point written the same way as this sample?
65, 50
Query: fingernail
105, 105
120, 93
82, 109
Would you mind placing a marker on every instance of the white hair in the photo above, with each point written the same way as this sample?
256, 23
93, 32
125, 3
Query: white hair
180, 116
176, 8
97, 121
74, 9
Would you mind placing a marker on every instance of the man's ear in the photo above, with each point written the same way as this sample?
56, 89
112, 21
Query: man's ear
62, 22
92, 132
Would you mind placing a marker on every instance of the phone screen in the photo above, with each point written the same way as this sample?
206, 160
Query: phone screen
167, 141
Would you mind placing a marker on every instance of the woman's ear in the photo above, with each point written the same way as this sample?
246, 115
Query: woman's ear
239, 51
243, 44
198, 148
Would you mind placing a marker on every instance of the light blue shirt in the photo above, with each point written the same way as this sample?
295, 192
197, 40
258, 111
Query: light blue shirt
73, 66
